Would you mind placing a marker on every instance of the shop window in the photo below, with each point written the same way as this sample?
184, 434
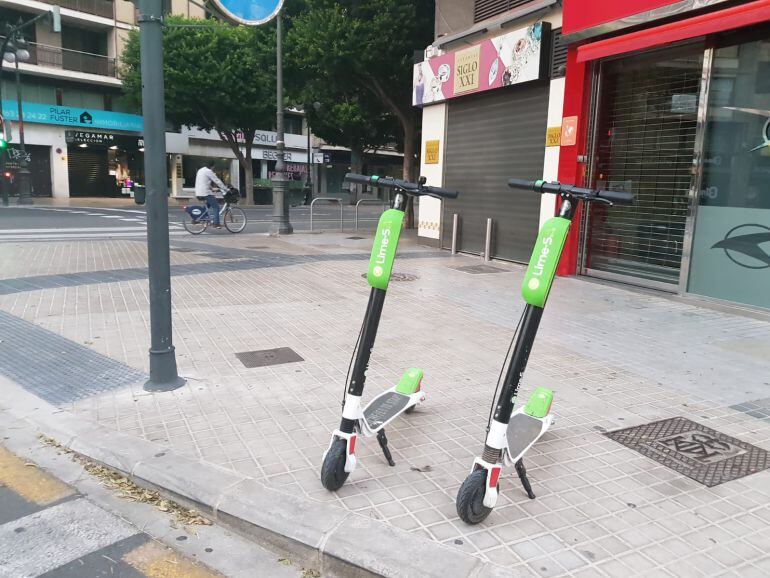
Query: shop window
731, 242
292, 124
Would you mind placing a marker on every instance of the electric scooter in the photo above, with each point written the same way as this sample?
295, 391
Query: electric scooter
339, 459
511, 433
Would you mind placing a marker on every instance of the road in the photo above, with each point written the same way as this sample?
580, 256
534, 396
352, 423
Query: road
39, 223
53, 529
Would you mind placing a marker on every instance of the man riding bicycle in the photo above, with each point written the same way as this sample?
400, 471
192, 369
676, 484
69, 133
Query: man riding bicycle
205, 180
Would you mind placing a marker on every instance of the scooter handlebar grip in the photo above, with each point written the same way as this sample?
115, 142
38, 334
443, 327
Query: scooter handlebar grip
522, 184
617, 197
440, 192
360, 179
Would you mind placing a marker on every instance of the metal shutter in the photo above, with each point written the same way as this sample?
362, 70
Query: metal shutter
483, 9
645, 144
88, 173
491, 138
558, 55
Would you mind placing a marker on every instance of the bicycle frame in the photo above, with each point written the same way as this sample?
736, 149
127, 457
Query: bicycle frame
206, 216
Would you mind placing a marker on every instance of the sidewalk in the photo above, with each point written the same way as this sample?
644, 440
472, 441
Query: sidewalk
616, 358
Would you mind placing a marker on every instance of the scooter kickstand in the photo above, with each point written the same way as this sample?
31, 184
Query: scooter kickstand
522, 471
384, 445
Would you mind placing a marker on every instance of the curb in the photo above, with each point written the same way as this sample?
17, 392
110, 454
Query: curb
340, 542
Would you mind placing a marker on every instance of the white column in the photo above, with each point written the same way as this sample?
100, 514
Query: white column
433, 129
551, 161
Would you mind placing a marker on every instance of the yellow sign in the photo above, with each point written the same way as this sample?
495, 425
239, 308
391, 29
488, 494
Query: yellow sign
431, 152
553, 136
467, 64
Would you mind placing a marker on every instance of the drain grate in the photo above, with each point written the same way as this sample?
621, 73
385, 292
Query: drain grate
700, 453
266, 357
399, 277
478, 269
182, 250
759, 408
355, 238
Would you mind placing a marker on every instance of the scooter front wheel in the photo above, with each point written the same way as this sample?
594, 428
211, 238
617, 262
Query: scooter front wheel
333, 474
470, 498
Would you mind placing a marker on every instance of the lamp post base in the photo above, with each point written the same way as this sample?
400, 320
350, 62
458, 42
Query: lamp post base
163, 372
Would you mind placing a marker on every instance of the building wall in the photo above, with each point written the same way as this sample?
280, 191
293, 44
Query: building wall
453, 16
433, 128
125, 11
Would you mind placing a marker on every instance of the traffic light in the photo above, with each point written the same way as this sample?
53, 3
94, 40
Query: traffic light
3, 144
3, 135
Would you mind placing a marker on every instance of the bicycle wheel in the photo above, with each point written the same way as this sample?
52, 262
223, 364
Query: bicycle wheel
235, 220
194, 227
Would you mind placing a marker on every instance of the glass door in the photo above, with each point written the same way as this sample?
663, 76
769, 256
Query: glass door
646, 123
731, 242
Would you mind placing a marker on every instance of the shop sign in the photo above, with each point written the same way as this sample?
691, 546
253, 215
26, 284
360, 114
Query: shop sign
273, 155
431, 152
77, 137
68, 116
512, 58
569, 125
553, 136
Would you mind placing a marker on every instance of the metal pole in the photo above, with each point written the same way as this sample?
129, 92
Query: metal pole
163, 371
25, 196
488, 242
455, 220
281, 224
308, 180
3, 153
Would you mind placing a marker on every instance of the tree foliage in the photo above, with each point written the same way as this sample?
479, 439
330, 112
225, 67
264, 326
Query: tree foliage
217, 77
357, 55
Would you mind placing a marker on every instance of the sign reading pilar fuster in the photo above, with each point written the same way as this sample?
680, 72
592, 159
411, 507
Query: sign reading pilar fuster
249, 12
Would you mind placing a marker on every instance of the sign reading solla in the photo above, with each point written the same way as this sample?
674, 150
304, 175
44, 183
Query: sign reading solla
249, 12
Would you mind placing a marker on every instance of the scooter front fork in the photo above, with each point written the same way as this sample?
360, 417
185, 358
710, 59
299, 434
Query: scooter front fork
492, 460
350, 448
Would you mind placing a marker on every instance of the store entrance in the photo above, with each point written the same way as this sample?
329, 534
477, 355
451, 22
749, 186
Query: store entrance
646, 121
89, 173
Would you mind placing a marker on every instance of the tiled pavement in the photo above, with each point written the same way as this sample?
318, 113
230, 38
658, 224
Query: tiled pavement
614, 357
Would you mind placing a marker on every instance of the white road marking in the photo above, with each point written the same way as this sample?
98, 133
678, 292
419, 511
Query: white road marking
56, 536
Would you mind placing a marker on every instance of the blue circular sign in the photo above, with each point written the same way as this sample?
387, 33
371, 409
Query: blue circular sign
249, 12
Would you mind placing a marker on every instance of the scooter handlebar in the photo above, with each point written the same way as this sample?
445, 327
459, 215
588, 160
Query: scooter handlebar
611, 197
416, 189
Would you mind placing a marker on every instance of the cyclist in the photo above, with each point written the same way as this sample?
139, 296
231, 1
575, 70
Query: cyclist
204, 179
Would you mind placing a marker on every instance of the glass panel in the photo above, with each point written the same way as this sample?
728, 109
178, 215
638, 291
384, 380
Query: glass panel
731, 244
645, 143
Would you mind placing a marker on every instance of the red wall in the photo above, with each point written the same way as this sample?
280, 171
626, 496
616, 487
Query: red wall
582, 14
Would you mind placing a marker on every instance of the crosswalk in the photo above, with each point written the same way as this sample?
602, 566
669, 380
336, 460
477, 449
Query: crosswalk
135, 226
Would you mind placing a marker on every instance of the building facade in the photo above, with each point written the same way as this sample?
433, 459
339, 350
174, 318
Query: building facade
81, 141
491, 89
671, 100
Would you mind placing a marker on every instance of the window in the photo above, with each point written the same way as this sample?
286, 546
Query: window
292, 124
59, 97
107, 102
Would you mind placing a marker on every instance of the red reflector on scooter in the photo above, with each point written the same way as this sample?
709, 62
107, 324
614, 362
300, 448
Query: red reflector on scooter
352, 445
494, 476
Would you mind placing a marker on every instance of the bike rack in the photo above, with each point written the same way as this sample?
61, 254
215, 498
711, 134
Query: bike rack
331, 200
378, 201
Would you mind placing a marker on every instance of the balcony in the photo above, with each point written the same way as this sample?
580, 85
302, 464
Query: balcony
103, 8
65, 59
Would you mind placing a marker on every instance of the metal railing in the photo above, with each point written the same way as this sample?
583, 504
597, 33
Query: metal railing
331, 200
104, 8
64, 58
379, 201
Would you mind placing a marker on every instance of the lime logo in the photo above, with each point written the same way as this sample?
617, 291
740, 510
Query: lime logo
745, 245
533, 283
377, 271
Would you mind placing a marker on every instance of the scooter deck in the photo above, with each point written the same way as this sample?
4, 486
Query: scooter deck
384, 408
523, 431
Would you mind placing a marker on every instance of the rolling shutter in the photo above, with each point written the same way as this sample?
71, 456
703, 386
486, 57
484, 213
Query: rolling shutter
491, 138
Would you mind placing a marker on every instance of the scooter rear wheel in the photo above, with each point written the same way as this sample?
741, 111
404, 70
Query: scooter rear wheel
470, 498
333, 474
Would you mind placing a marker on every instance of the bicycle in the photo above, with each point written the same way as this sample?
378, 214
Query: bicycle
197, 217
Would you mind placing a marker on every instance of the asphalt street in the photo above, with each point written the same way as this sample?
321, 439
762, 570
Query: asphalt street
90, 221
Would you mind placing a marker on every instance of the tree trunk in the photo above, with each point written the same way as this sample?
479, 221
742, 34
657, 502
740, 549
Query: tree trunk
410, 172
231, 138
248, 186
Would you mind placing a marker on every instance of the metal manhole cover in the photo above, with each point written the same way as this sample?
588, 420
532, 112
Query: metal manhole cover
399, 277
700, 453
266, 357
478, 269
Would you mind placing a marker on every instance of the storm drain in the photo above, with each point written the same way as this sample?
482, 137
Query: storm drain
399, 277
478, 269
266, 357
694, 450
355, 238
182, 250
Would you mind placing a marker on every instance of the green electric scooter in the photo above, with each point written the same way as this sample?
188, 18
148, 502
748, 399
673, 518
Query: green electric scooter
339, 459
510, 434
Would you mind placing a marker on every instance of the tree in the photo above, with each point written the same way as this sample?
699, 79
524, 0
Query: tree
217, 77
362, 51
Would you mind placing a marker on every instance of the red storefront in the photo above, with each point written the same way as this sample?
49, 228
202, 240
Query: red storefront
672, 102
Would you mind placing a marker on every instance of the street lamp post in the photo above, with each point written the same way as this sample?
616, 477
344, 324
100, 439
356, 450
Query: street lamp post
281, 224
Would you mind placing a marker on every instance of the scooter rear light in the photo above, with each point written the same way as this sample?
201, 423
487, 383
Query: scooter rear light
419, 385
184, 208
352, 445
494, 476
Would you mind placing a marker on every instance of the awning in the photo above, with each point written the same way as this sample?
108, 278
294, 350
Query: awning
710, 23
